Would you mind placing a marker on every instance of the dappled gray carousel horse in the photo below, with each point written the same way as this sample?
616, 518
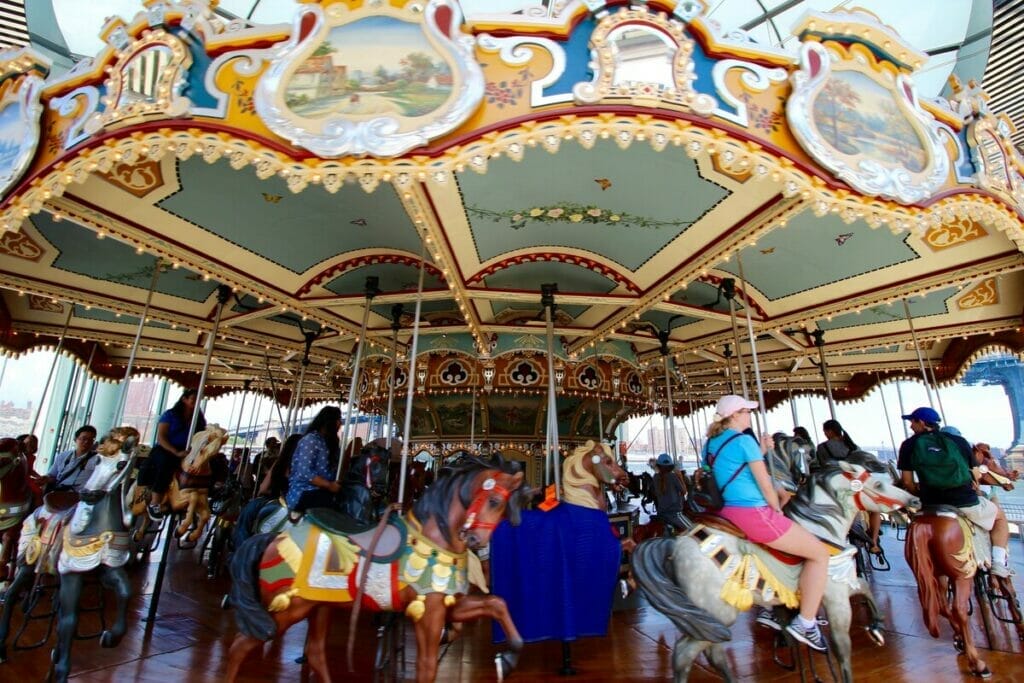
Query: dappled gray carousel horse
702, 590
74, 539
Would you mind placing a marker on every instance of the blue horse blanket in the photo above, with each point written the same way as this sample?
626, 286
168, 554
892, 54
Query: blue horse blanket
557, 571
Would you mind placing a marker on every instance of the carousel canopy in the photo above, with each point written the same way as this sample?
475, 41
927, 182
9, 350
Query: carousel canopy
694, 194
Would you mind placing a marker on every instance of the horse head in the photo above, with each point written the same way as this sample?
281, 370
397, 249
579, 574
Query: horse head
371, 468
873, 489
791, 459
205, 445
492, 495
990, 472
10, 456
112, 467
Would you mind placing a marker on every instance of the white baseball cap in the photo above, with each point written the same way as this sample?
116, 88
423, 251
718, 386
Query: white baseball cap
730, 404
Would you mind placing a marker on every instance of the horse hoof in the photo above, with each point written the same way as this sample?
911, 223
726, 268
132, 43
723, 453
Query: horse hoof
959, 645
984, 673
876, 635
504, 663
107, 639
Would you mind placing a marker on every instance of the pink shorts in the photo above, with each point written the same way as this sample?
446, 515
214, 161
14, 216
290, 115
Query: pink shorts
761, 524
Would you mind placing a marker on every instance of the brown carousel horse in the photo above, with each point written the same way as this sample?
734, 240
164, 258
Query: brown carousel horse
420, 564
15, 503
190, 489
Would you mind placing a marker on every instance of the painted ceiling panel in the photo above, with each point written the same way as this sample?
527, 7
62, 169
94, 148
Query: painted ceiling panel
114, 261
812, 252
934, 303
255, 214
499, 306
661, 319
109, 317
655, 196
394, 277
568, 277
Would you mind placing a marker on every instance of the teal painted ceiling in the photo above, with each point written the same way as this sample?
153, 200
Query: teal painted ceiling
568, 277
394, 277
111, 317
661, 319
295, 231
572, 311
812, 252
114, 261
663, 189
934, 303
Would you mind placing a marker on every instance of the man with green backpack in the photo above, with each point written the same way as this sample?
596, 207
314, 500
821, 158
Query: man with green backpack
942, 462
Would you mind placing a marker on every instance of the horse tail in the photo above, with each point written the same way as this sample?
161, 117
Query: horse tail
247, 520
252, 619
919, 557
651, 562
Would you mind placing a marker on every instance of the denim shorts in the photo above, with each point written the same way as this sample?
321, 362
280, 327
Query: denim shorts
760, 524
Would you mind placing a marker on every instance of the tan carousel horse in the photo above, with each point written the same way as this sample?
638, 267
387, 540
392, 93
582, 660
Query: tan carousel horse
587, 472
190, 489
419, 564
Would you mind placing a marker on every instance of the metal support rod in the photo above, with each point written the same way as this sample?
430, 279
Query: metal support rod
814, 420
736, 343
223, 295
238, 427
938, 394
888, 420
792, 403
396, 324
753, 357
253, 435
472, 423
548, 302
600, 416
58, 431
920, 358
695, 437
295, 413
727, 352
273, 396
819, 341
53, 367
903, 410
370, 290
411, 380
3, 370
122, 396
671, 414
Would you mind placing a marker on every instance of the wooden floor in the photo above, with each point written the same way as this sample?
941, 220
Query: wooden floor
189, 642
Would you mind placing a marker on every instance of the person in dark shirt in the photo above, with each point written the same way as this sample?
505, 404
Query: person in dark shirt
979, 510
669, 493
170, 448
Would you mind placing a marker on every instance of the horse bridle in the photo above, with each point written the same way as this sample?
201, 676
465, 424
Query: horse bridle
857, 485
489, 486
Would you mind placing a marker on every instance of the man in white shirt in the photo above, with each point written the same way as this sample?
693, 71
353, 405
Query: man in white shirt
72, 469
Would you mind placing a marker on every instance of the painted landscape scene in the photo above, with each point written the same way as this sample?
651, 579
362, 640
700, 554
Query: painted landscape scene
371, 67
859, 117
12, 138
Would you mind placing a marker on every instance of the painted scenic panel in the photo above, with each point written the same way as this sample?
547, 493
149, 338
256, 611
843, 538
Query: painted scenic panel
12, 138
859, 117
454, 416
371, 67
511, 415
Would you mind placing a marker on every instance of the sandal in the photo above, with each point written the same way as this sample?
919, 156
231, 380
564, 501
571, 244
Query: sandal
875, 550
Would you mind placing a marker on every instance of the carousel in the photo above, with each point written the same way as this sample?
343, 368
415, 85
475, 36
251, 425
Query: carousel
499, 232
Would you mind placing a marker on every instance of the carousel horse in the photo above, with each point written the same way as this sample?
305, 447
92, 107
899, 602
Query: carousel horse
190, 488
417, 478
641, 486
365, 484
15, 504
702, 579
226, 506
559, 568
73, 538
420, 563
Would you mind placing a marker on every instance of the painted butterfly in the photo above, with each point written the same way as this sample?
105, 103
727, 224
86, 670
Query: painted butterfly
272, 198
359, 221
769, 250
603, 182
841, 239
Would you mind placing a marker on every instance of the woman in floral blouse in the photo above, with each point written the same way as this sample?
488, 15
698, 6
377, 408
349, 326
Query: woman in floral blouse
311, 482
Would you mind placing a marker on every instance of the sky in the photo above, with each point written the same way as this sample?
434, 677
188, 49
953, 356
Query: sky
981, 413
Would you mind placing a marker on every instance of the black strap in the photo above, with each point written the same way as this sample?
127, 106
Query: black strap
711, 462
74, 470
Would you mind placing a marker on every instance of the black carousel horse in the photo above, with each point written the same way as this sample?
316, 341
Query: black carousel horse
76, 539
364, 487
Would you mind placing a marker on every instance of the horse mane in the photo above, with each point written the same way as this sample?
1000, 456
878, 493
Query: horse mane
867, 461
575, 476
821, 513
456, 479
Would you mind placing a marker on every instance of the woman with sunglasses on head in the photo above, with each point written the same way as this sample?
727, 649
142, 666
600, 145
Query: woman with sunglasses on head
752, 504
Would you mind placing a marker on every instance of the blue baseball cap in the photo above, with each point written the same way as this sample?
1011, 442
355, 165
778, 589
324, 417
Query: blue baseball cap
665, 460
924, 414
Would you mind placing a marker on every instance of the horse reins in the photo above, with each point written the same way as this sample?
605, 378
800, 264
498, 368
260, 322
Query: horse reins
858, 488
489, 486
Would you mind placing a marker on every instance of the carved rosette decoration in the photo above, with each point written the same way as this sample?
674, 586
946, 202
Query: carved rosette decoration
20, 112
639, 32
376, 80
861, 119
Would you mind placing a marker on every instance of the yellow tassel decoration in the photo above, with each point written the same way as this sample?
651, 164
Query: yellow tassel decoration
416, 608
449, 600
281, 601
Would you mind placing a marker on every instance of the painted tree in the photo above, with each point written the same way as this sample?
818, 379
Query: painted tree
835, 98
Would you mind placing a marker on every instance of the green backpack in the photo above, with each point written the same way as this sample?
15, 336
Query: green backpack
939, 463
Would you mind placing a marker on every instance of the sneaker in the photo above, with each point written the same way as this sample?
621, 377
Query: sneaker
812, 638
766, 617
155, 513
